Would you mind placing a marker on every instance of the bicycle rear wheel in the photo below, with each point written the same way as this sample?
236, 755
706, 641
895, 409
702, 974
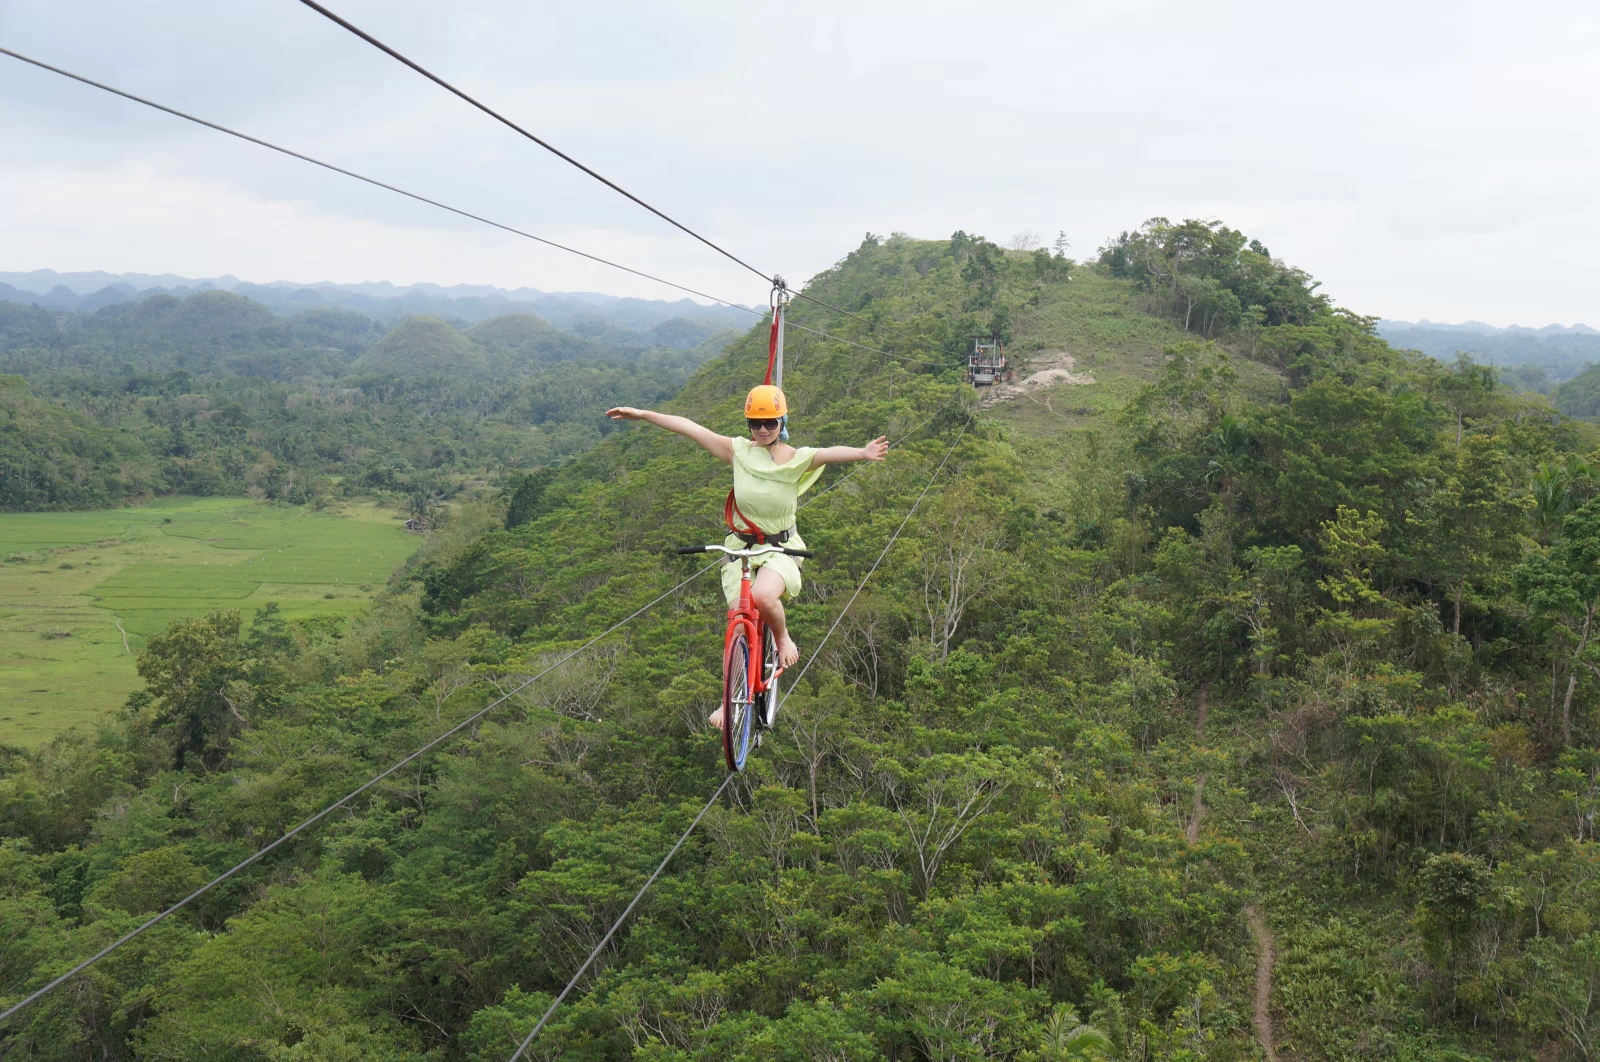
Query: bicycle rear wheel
737, 705
769, 679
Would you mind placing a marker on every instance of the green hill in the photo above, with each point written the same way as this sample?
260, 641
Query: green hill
218, 396
422, 346
213, 333
1223, 688
346, 330
1580, 396
521, 341
54, 458
216, 319
1551, 356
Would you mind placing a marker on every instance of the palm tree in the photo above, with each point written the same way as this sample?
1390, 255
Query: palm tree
1067, 1039
421, 505
1551, 500
1557, 490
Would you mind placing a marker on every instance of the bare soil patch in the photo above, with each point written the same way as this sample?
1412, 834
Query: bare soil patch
1044, 370
1266, 956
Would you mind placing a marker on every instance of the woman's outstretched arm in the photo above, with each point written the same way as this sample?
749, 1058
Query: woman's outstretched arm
843, 455
718, 446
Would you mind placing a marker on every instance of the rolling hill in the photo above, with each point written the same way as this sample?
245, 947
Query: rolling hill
1223, 693
423, 346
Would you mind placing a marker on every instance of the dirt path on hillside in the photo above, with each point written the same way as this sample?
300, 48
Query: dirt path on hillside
1266, 944
1266, 956
1043, 370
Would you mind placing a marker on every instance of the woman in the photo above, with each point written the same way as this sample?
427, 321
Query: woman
769, 476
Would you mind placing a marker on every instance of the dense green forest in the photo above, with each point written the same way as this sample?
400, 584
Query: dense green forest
215, 394
1534, 360
579, 312
1287, 649
1580, 396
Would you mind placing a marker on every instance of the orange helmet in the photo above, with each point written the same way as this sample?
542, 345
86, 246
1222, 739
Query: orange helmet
765, 402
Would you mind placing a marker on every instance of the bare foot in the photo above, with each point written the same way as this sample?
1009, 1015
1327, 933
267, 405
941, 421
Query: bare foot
715, 718
788, 652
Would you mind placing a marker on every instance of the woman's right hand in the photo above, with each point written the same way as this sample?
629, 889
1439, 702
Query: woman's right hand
625, 413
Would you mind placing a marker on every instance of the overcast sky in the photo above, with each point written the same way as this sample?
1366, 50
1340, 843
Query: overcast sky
1423, 159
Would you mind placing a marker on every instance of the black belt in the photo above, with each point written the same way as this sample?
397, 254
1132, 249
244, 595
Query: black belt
772, 540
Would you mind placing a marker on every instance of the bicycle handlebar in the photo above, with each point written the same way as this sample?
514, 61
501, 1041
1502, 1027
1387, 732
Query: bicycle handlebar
754, 551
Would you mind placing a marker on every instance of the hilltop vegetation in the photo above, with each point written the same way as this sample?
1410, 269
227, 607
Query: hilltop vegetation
213, 394
383, 302
422, 346
1213, 279
1580, 396
1292, 622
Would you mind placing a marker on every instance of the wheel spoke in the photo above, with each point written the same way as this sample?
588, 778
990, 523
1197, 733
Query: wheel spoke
736, 701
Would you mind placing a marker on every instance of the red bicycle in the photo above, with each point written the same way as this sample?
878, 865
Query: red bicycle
745, 690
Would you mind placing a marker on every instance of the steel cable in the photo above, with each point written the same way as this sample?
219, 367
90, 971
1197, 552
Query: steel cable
125, 938
792, 686
598, 948
614, 186
875, 350
369, 180
855, 316
503, 120
291, 153
156, 919
795, 682
219, 879
848, 476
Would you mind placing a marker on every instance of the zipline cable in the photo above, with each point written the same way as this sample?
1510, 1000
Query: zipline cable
651, 880
369, 180
856, 316
503, 120
875, 350
436, 203
508, 123
848, 476
108, 949
795, 682
468, 721
154, 920
793, 685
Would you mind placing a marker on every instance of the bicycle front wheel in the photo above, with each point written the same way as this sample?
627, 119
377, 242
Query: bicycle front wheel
737, 704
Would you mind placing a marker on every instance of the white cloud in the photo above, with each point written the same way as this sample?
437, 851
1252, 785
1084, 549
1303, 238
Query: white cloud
137, 219
1423, 159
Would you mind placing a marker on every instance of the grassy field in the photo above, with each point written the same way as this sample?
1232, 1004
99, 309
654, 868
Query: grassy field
81, 592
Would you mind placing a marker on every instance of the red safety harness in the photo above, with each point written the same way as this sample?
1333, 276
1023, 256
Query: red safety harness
750, 534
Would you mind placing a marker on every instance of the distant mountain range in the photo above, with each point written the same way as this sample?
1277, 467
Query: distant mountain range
467, 303
1537, 359
1477, 327
220, 334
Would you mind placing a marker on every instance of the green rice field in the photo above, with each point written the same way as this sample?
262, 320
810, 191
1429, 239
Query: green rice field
81, 592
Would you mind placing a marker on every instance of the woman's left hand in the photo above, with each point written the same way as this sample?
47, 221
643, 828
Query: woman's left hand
876, 449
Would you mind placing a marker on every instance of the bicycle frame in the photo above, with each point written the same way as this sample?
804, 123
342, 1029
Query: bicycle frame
745, 613
757, 684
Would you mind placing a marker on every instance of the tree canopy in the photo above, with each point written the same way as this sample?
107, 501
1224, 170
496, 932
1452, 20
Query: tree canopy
1299, 623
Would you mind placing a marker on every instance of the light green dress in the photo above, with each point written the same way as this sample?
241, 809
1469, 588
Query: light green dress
768, 494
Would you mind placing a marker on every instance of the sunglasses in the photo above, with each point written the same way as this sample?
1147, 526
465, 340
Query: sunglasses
763, 425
